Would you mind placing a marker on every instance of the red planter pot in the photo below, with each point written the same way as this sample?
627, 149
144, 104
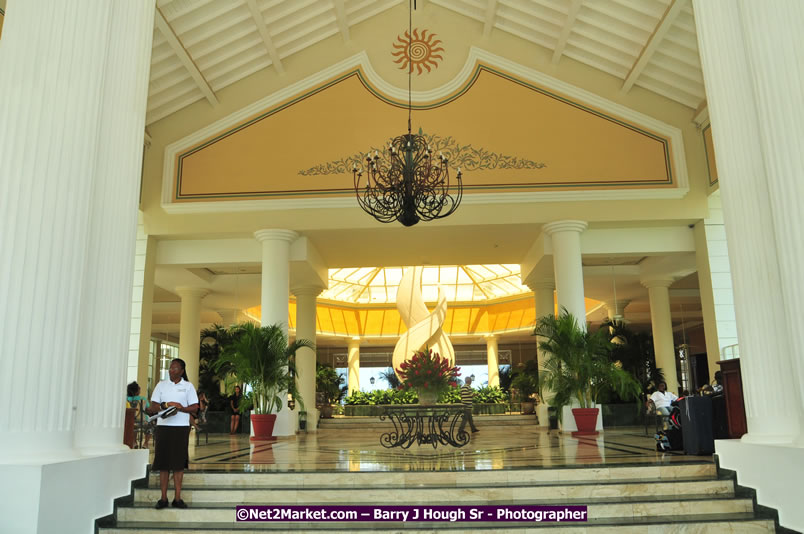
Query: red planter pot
586, 421
263, 425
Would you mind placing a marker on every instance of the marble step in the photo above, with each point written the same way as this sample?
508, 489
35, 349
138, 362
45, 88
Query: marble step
520, 494
218, 513
359, 479
746, 523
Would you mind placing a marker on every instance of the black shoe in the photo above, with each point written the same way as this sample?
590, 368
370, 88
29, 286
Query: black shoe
178, 504
161, 503
475, 430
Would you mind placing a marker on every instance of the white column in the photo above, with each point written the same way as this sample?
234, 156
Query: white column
714, 281
545, 305
74, 82
662, 327
306, 357
190, 329
60, 132
566, 237
275, 293
493, 361
751, 59
354, 365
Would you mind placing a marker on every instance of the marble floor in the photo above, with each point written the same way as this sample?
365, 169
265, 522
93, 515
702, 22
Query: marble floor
491, 448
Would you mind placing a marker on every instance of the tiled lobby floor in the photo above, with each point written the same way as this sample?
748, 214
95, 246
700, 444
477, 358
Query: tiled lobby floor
491, 448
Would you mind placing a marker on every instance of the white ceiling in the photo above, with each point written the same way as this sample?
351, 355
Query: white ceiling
203, 46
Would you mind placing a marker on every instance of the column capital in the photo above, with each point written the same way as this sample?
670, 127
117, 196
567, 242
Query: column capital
540, 283
565, 226
657, 282
304, 291
189, 292
491, 337
276, 234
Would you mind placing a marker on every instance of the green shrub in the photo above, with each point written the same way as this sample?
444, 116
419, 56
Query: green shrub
382, 396
489, 395
450, 396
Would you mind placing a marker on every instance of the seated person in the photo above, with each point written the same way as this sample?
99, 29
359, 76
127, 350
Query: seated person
715, 388
662, 398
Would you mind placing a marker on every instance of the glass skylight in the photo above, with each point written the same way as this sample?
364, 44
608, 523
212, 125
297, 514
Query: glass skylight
461, 283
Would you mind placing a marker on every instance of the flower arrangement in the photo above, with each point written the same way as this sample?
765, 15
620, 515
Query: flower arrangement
427, 371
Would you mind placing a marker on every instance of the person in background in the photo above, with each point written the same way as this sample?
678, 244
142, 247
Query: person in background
234, 404
466, 400
135, 400
200, 418
173, 432
662, 398
133, 397
715, 388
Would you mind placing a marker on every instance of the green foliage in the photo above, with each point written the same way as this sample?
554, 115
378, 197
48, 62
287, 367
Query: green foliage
262, 358
634, 351
452, 395
382, 396
210, 376
506, 376
577, 363
390, 376
526, 381
426, 369
330, 383
489, 395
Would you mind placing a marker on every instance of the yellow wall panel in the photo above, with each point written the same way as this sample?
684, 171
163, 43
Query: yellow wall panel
578, 145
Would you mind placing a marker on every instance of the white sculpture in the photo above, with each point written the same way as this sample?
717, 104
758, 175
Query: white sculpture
424, 328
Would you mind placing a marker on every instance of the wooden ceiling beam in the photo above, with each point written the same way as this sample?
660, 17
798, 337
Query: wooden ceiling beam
575, 6
184, 57
256, 14
340, 16
491, 14
671, 13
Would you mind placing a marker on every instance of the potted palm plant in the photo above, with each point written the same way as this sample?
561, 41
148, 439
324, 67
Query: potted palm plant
577, 368
526, 384
262, 358
330, 385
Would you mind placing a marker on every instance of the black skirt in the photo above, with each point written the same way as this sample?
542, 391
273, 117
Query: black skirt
171, 448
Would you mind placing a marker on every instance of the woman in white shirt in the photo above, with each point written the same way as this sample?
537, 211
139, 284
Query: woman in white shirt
173, 432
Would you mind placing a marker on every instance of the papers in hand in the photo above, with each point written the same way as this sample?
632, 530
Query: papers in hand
167, 412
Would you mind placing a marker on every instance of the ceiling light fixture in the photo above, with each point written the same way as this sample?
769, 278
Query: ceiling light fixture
405, 184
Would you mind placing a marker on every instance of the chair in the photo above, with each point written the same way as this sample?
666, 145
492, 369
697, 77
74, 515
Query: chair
659, 419
141, 426
201, 427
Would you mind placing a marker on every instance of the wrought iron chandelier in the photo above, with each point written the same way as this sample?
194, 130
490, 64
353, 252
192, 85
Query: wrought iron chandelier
407, 183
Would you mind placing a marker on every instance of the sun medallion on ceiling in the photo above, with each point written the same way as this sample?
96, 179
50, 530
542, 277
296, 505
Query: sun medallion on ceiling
419, 50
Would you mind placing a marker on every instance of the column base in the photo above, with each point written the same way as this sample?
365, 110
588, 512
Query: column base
66, 496
774, 471
543, 415
768, 439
